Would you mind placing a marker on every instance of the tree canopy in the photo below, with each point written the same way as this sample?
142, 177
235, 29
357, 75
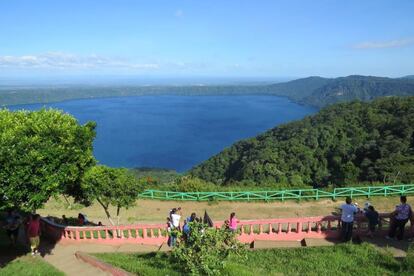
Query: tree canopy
111, 187
342, 144
42, 153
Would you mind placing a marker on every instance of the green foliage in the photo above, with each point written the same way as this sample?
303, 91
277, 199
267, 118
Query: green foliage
111, 186
42, 153
191, 184
341, 145
155, 176
206, 250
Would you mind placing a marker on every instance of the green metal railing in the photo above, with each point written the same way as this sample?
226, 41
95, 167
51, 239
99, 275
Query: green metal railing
298, 194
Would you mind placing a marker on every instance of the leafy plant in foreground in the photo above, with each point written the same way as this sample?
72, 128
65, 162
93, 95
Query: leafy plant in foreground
206, 250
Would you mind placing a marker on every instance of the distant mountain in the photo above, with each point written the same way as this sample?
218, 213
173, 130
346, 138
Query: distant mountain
319, 92
300, 88
408, 77
343, 144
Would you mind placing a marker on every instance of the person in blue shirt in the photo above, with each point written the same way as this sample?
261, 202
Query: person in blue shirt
192, 217
186, 229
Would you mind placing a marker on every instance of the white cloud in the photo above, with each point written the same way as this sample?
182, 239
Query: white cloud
384, 44
179, 13
59, 60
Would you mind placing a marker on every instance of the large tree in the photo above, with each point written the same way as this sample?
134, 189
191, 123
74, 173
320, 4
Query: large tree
42, 153
116, 187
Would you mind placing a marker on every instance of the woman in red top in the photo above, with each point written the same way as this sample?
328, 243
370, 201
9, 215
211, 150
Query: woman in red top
33, 232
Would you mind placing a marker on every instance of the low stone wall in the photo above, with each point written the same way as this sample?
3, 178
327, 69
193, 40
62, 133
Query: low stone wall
284, 229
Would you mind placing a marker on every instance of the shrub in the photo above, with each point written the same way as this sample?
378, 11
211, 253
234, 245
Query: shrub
206, 250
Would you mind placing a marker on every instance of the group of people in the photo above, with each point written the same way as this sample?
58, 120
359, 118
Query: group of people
174, 226
31, 223
398, 219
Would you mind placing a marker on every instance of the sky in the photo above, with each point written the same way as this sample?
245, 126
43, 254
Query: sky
190, 38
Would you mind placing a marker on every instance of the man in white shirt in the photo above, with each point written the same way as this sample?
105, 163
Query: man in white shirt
347, 219
175, 218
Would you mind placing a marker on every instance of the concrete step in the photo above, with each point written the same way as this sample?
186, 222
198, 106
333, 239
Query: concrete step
319, 242
275, 244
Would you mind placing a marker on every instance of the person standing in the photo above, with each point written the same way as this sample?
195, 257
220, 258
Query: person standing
33, 232
169, 232
233, 222
373, 220
348, 211
175, 219
399, 218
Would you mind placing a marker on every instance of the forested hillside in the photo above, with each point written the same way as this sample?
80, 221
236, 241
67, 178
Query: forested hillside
342, 144
358, 88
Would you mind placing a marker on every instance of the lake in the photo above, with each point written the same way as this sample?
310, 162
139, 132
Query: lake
175, 132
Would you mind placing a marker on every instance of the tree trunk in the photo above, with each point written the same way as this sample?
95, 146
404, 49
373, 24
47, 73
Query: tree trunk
118, 232
108, 215
117, 214
68, 202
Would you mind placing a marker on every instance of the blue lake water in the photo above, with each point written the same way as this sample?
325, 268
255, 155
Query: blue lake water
175, 132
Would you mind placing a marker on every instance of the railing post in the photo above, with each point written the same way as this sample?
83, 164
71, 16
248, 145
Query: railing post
299, 227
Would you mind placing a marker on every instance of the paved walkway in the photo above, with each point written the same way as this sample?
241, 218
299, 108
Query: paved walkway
63, 256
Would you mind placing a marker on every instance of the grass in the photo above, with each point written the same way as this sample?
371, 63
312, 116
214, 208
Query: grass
344, 259
154, 211
29, 266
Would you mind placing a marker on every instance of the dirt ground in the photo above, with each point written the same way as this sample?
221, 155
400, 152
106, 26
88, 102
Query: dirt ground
153, 211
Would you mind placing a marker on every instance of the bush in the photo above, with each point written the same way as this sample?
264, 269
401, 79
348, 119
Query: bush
191, 184
206, 250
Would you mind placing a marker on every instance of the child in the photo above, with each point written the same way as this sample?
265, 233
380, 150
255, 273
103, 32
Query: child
33, 232
233, 222
373, 220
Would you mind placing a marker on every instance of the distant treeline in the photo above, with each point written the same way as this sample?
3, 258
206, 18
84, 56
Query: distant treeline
315, 91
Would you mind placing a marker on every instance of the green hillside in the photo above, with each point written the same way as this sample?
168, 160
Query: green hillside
342, 144
362, 88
